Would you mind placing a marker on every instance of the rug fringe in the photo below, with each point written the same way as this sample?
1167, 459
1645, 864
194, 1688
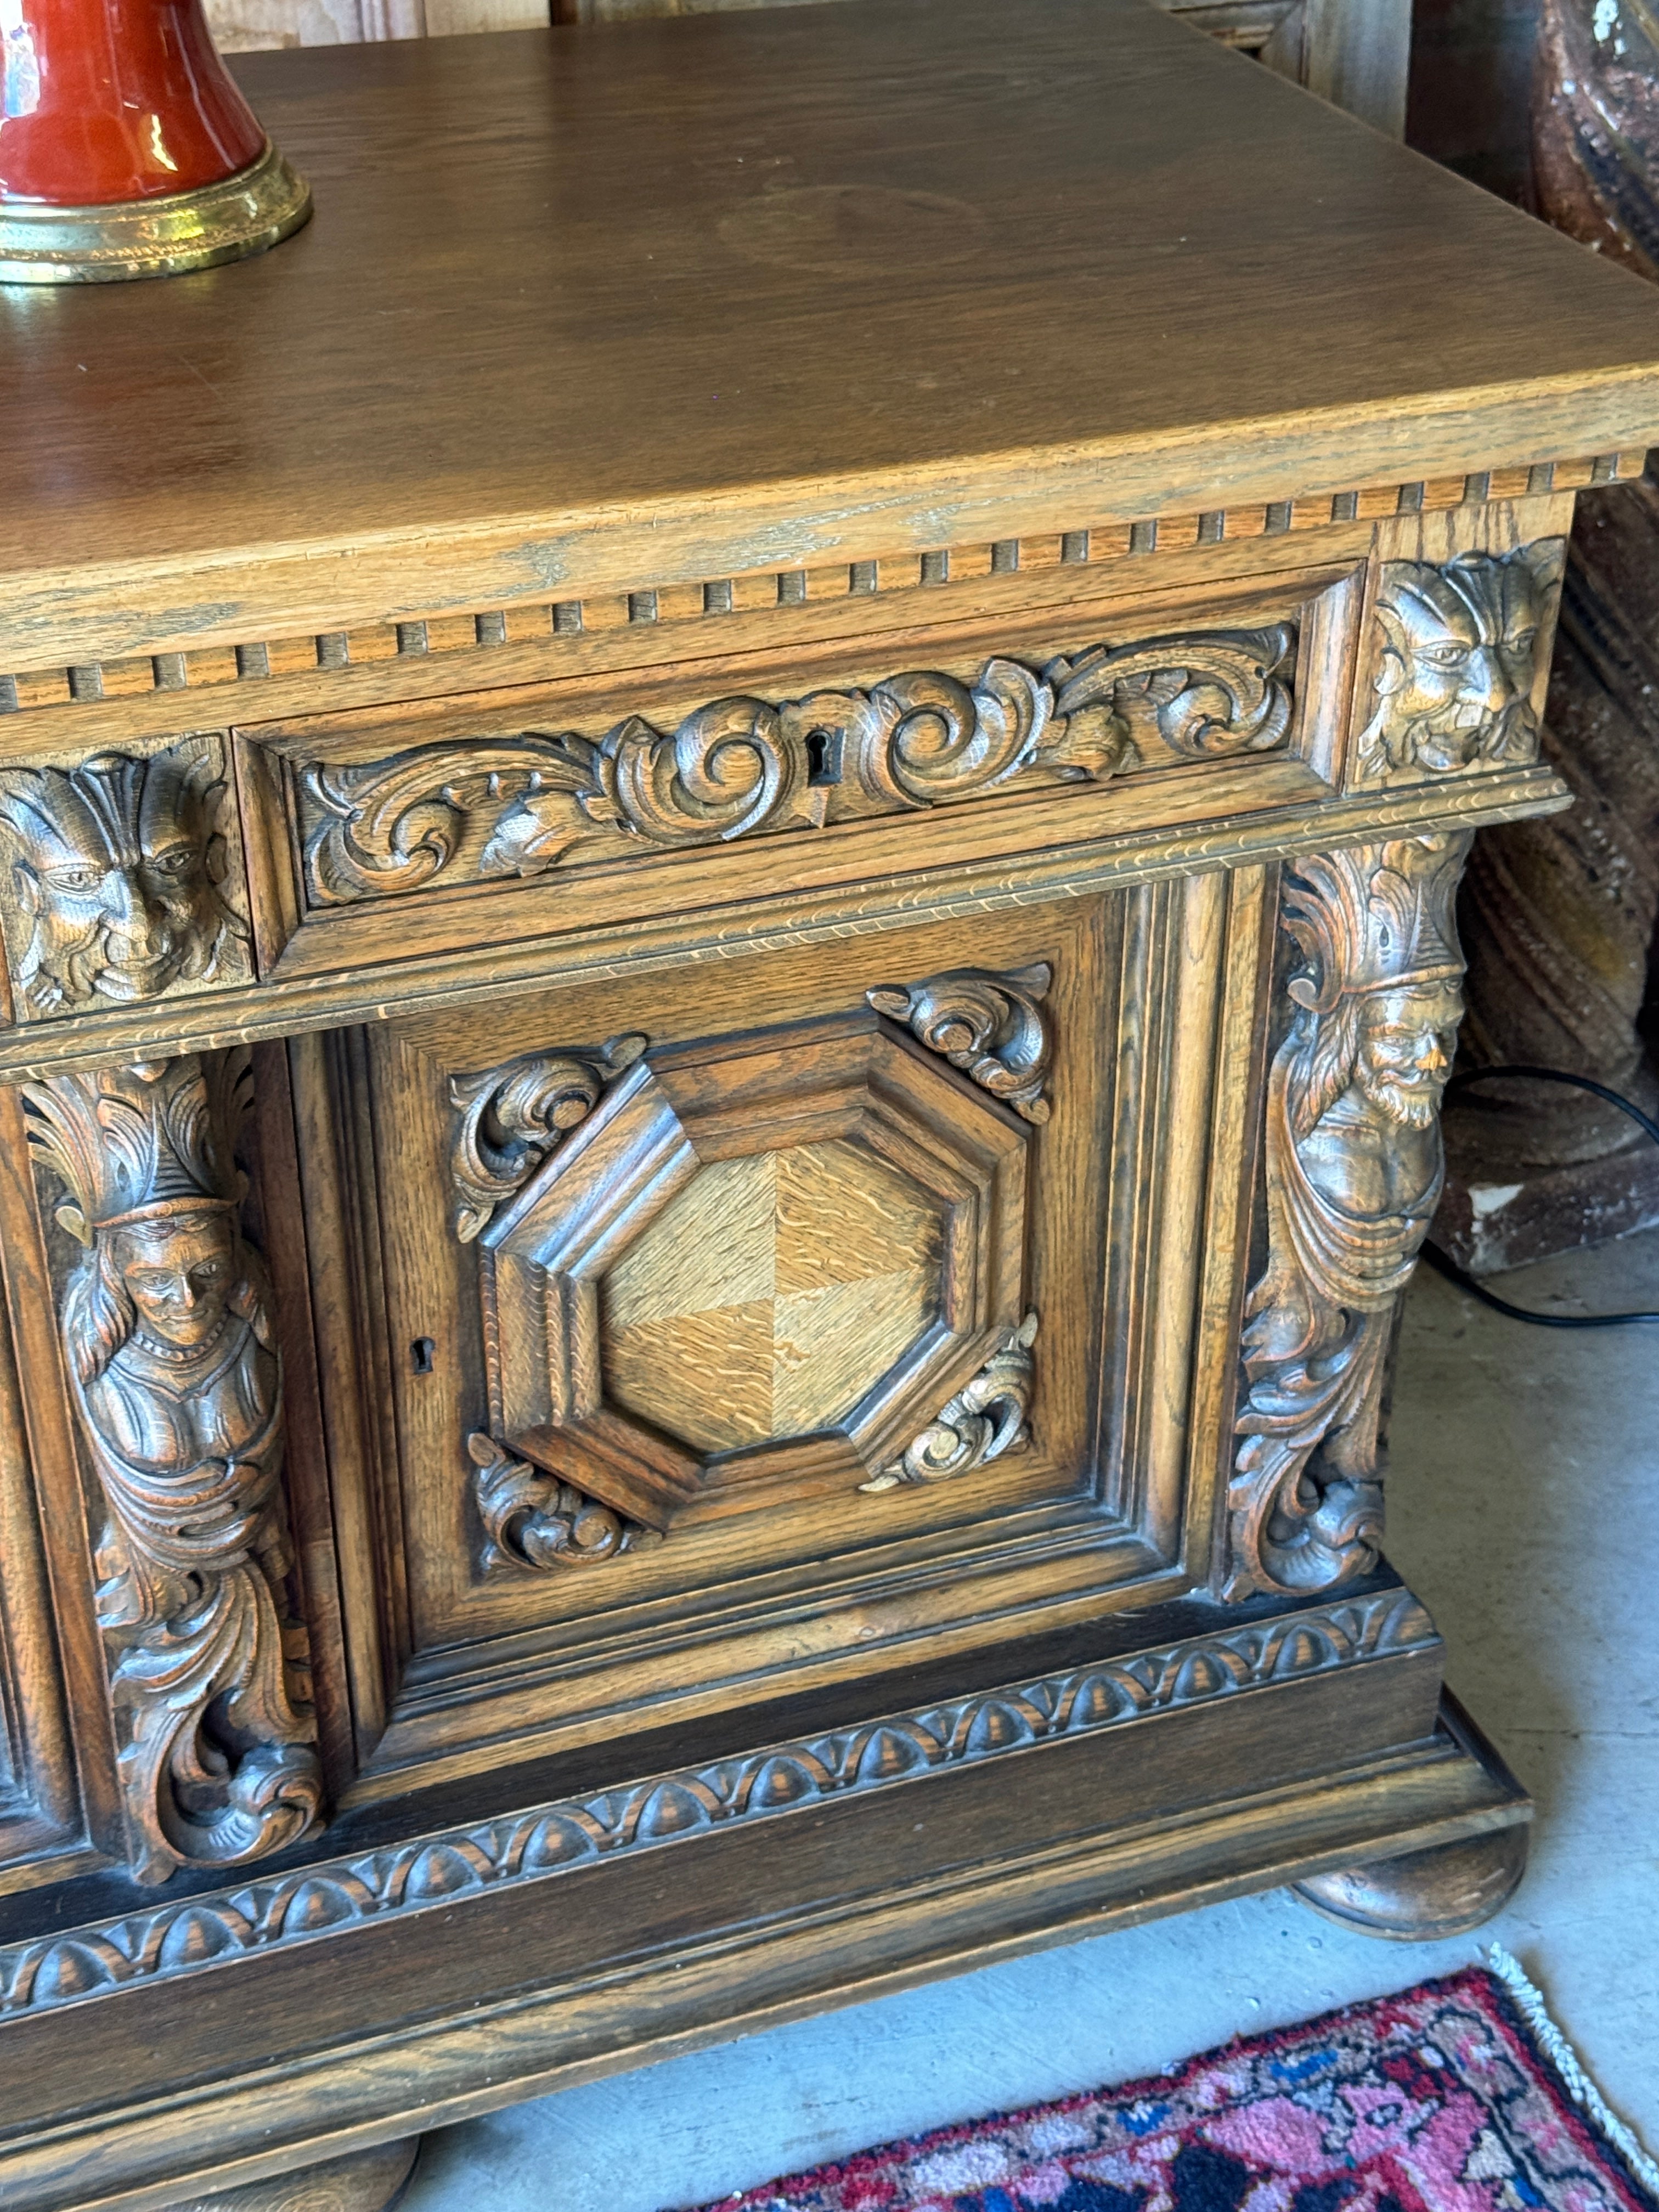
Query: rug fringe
1565, 2059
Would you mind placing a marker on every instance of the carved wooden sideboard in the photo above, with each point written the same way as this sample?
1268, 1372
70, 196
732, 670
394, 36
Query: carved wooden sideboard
730, 827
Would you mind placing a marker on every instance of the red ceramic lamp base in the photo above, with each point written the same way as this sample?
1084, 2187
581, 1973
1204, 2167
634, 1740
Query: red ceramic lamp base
126, 148
163, 236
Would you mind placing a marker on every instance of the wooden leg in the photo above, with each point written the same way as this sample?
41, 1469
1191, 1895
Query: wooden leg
365, 2181
1422, 1895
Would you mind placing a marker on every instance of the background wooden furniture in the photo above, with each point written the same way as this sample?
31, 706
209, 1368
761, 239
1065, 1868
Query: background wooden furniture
732, 823
1559, 917
1355, 53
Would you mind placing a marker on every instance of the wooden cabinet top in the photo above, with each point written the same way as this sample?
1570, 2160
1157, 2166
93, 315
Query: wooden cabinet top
634, 307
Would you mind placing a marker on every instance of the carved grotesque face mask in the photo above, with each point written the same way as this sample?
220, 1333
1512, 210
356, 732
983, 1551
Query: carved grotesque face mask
179, 1272
1407, 1041
115, 871
1459, 660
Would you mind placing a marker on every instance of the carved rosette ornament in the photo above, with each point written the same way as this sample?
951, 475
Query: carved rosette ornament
1353, 1175
989, 1025
533, 1520
177, 1379
985, 1419
513, 1116
518, 806
1459, 652
120, 879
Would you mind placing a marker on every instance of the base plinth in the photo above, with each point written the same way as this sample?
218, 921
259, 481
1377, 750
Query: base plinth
365, 2181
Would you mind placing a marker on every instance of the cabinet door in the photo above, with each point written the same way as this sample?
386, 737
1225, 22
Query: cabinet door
695, 1338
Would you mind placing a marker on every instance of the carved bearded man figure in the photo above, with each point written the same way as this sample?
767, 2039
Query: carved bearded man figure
1459, 661
116, 874
1354, 1170
176, 1375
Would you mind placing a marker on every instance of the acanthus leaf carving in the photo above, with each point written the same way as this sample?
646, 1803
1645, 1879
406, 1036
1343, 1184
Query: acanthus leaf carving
531, 1519
984, 1419
1199, 697
1353, 1169
990, 1025
121, 878
176, 1377
512, 1117
1460, 650
518, 806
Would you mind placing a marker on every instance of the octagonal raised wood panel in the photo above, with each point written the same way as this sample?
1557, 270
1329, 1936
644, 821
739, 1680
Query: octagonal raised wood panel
770, 1294
756, 1271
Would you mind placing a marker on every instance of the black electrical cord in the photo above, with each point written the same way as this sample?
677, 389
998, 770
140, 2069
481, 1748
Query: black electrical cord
1444, 1264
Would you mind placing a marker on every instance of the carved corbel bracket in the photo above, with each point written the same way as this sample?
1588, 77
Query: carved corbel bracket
176, 1377
991, 1026
985, 1418
1353, 1169
1461, 647
512, 1117
122, 880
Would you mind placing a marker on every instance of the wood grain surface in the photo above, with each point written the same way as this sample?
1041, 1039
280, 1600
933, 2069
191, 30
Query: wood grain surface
682, 299
770, 1295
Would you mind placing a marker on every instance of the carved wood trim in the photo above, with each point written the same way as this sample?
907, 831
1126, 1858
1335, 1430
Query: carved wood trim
533, 1519
1462, 646
319, 1900
470, 640
515, 960
512, 1117
122, 885
1353, 1169
483, 809
990, 1026
176, 1377
978, 1424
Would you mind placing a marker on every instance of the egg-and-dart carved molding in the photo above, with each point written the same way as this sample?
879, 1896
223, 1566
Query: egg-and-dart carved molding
437, 1871
469, 639
517, 806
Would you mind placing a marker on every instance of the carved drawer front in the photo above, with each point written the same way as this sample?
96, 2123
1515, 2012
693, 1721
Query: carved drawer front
434, 827
735, 1317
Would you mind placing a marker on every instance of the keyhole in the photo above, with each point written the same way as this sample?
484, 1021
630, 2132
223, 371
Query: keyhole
420, 1354
823, 757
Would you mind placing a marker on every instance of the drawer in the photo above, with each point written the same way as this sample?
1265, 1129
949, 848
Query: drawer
424, 830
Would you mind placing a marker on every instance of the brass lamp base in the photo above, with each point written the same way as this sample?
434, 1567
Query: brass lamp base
160, 237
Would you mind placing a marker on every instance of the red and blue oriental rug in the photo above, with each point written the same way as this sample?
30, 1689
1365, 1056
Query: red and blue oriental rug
1455, 2096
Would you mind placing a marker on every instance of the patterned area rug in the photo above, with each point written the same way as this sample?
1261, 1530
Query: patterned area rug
1453, 2097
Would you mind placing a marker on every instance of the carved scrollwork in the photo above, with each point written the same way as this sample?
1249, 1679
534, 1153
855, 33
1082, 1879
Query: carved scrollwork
1353, 1175
513, 1116
121, 878
985, 1419
991, 1026
533, 1520
1195, 697
518, 806
177, 1379
1460, 652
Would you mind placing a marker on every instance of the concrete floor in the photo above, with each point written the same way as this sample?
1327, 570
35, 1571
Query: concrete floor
1525, 1479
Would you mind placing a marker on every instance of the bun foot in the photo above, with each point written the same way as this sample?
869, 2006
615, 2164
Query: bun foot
1422, 1895
365, 2181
